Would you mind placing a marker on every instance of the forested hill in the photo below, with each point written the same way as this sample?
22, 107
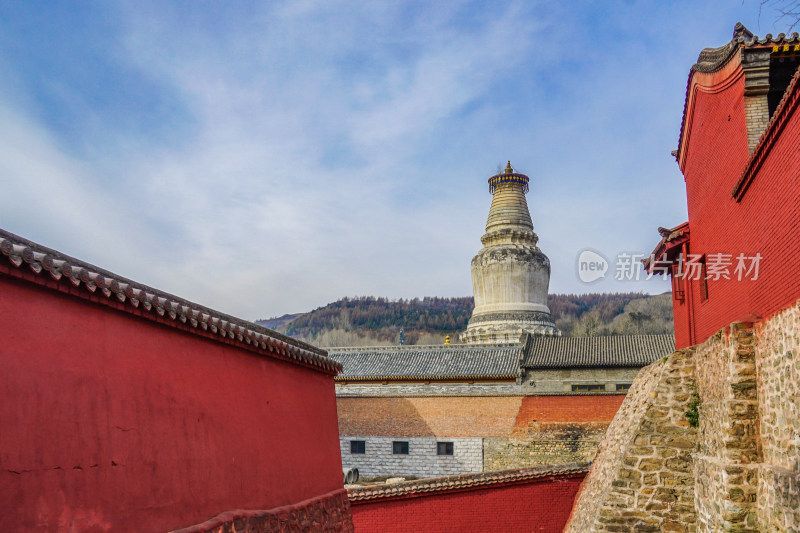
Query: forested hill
367, 320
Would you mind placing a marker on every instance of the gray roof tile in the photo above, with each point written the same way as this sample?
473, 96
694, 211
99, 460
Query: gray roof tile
586, 352
466, 481
433, 362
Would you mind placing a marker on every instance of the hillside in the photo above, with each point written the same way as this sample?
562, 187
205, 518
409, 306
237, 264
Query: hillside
367, 320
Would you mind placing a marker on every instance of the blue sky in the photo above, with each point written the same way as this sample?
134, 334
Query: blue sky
267, 158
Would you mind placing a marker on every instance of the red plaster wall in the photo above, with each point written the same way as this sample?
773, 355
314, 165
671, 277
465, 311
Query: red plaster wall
597, 408
766, 221
539, 506
110, 422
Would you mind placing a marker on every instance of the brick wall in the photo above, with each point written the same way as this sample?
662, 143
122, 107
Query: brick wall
422, 460
354, 389
537, 381
515, 432
541, 506
469, 416
552, 430
599, 408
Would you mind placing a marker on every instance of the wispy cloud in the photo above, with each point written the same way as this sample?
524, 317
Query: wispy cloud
264, 159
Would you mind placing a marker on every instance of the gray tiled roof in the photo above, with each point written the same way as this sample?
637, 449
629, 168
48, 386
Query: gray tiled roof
433, 362
21, 256
586, 352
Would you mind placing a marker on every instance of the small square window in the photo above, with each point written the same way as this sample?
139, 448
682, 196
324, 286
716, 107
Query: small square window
623, 386
444, 448
400, 447
358, 446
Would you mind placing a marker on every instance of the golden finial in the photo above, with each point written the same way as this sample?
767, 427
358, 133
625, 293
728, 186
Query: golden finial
447, 339
509, 170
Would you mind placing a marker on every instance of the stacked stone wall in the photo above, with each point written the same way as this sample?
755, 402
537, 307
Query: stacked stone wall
641, 479
778, 367
739, 471
543, 444
726, 465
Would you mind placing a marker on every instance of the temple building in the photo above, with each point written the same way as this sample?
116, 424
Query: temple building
513, 394
741, 100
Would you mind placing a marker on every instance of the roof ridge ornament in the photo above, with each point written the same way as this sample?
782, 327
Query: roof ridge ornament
509, 170
740, 31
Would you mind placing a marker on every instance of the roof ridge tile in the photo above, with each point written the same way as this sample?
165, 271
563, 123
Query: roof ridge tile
19, 251
464, 481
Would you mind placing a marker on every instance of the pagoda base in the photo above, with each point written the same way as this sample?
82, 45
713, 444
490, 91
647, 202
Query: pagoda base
502, 328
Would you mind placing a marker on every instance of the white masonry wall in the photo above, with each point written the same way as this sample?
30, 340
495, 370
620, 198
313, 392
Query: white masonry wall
421, 460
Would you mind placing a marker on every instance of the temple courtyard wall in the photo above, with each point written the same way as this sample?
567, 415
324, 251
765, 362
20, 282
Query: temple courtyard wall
145, 413
484, 433
520, 500
706, 440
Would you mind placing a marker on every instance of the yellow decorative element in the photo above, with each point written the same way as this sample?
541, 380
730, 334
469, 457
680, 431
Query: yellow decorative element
776, 49
786, 48
447, 339
509, 170
797, 48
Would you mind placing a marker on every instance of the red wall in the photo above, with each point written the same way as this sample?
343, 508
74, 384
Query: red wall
537, 506
766, 221
594, 408
110, 422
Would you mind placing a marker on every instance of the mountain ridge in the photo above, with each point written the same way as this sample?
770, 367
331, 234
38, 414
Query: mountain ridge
370, 320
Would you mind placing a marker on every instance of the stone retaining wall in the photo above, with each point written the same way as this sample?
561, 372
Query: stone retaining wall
543, 444
739, 471
726, 464
641, 479
778, 370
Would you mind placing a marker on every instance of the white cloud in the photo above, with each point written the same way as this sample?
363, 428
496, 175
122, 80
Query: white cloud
324, 149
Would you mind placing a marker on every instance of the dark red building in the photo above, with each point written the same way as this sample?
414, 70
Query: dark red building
738, 256
124, 408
